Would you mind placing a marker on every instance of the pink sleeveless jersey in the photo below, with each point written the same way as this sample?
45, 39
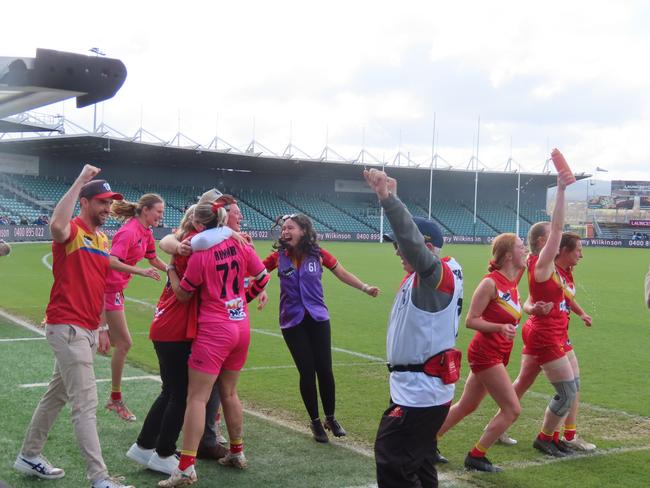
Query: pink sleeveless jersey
219, 272
132, 242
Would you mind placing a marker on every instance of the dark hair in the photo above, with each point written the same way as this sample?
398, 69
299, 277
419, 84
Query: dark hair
307, 244
569, 241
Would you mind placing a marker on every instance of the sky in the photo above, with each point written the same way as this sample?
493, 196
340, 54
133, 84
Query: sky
506, 79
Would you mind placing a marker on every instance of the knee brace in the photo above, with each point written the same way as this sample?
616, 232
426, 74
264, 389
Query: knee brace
561, 403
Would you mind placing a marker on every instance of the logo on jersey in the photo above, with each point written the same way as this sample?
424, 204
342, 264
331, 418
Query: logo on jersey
158, 312
235, 309
118, 298
88, 241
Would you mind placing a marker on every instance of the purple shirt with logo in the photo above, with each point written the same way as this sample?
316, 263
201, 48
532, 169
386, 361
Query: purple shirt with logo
301, 290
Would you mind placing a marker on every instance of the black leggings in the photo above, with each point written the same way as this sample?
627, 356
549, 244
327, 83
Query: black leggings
164, 421
311, 348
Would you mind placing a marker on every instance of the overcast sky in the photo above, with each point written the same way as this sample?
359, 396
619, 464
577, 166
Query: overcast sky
571, 74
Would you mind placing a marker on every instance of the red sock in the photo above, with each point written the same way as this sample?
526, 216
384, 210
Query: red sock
556, 436
188, 458
544, 437
116, 396
236, 446
569, 432
478, 451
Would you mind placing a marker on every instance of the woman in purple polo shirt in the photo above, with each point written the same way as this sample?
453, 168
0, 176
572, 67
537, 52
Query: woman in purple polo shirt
304, 318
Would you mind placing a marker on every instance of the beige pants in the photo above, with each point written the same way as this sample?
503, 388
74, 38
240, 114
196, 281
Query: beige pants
73, 380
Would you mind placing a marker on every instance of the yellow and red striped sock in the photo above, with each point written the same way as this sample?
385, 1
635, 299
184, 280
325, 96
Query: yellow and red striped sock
543, 436
478, 451
237, 445
116, 393
188, 458
569, 431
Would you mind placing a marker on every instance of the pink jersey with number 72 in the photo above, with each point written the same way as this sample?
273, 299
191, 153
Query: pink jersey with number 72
219, 273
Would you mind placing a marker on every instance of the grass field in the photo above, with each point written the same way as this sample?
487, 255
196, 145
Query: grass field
613, 357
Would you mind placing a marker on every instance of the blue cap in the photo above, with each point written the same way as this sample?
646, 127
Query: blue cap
429, 230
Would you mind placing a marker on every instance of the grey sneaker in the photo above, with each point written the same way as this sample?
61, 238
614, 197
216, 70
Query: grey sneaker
180, 478
38, 466
235, 460
578, 444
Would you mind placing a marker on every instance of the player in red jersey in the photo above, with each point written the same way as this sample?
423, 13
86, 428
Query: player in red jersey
132, 242
544, 336
570, 253
221, 344
80, 262
494, 313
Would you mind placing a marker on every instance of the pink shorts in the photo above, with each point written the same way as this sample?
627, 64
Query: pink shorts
113, 301
220, 345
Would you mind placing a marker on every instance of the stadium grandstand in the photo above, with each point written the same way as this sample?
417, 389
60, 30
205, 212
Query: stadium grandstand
35, 171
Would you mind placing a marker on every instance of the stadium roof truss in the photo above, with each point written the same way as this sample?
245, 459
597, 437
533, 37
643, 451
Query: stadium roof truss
54, 76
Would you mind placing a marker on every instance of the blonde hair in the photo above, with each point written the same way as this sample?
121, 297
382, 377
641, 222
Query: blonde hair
501, 245
210, 214
535, 233
186, 226
123, 209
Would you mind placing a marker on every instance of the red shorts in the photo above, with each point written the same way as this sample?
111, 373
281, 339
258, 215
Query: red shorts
544, 348
482, 354
113, 301
220, 345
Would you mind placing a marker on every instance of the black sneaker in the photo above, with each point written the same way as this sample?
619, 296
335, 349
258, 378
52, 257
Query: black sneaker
318, 431
548, 447
333, 425
564, 447
481, 464
438, 458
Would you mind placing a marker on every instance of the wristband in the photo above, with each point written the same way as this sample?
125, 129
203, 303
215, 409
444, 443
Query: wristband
103, 328
171, 267
365, 288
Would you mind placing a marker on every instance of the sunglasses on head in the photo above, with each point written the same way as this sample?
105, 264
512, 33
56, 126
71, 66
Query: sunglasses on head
289, 216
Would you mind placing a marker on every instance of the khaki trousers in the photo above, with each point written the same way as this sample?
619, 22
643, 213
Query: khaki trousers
73, 381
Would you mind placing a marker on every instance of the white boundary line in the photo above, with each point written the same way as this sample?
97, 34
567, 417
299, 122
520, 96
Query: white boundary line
101, 380
22, 339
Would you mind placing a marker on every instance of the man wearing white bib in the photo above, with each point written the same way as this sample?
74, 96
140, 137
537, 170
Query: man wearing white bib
422, 330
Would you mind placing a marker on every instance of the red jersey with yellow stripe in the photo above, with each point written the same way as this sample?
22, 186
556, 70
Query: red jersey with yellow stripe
79, 267
547, 329
173, 320
489, 348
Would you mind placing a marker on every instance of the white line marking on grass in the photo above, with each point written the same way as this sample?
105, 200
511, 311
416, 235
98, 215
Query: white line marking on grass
303, 430
337, 349
19, 321
551, 460
21, 339
101, 380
